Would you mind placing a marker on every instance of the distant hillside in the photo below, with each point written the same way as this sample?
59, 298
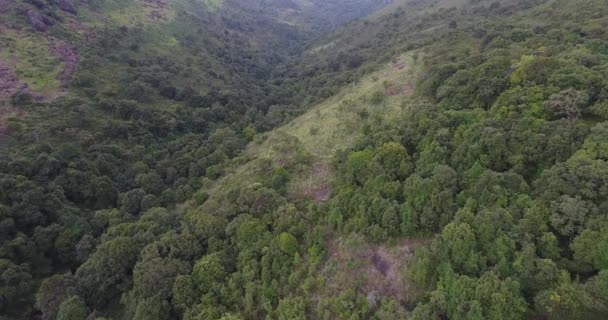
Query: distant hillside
44, 41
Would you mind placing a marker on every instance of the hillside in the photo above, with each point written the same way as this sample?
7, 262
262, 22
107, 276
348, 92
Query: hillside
291, 159
105, 103
426, 154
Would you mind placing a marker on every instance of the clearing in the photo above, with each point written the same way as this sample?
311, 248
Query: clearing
317, 135
381, 270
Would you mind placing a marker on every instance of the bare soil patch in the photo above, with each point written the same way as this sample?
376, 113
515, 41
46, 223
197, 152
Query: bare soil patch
84, 29
400, 90
399, 65
396, 86
318, 183
379, 271
157, 9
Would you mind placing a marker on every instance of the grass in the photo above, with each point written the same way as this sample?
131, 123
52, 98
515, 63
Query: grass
335, 123
310, 141
213, 5
33, 62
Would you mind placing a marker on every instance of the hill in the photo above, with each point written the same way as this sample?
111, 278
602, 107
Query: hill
439, 159
458, 149
101, 100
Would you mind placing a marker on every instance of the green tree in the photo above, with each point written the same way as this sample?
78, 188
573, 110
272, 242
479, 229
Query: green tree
291, 309
288, 243
208, 272
72, 308
567, 104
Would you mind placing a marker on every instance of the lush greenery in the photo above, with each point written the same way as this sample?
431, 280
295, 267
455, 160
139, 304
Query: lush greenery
502, 157
129, 197
164, 94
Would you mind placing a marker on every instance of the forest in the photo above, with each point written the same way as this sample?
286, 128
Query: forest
223, 160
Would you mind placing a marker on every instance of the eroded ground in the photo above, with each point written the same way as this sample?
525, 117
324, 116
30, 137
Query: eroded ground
378, 271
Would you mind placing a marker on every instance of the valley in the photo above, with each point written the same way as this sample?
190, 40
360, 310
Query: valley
303, 159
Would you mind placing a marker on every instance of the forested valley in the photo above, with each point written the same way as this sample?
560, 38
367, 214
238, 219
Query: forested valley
303, 159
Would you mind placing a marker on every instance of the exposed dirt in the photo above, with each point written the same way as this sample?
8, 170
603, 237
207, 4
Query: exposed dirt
400, 90
70, 56
157, 9
399, 65
380, 270
87, 31
319, 187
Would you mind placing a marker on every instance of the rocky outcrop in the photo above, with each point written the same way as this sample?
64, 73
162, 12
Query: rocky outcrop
39, 21
67, 6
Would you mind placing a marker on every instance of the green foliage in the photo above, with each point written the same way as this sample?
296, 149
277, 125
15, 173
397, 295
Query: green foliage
207, 273
72, 308
567, 104
376, 98
288, 243
498, 158
291, 309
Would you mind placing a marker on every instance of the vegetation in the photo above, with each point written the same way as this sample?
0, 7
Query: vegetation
195, 165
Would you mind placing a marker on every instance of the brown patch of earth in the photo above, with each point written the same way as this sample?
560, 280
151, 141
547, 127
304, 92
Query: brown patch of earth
156, 8
380, 270
318, 188
397, 89
400, 90
87, 31
399, 65
70, 56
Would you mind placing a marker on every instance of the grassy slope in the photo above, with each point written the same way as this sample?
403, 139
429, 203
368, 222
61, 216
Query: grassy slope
306, 146
324, 129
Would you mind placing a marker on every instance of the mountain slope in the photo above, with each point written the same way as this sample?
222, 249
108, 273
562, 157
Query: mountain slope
435, 160
483, 170
125, 105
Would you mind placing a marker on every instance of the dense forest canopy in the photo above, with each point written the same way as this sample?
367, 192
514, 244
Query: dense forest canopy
303, 159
